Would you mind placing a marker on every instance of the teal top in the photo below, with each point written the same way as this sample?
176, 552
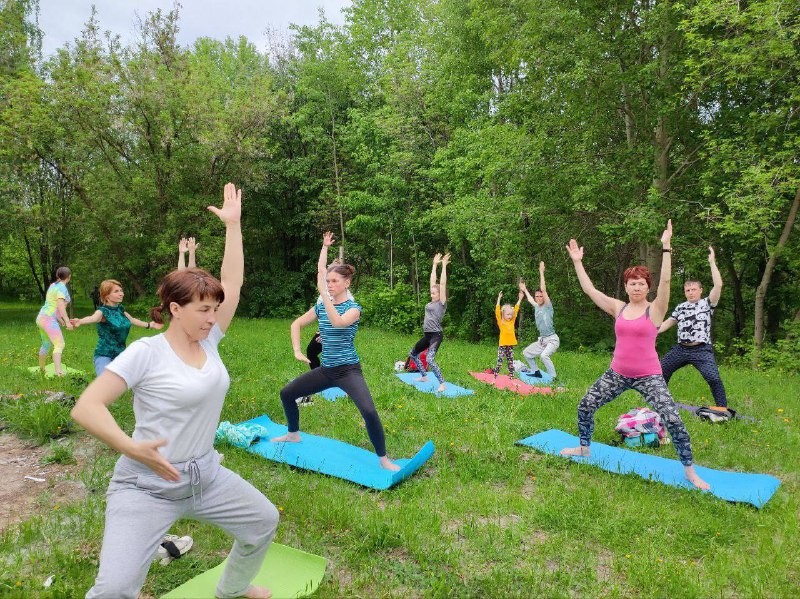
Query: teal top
338, 348
112, 333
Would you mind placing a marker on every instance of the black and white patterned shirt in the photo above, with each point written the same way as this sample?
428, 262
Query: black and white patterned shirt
694, 321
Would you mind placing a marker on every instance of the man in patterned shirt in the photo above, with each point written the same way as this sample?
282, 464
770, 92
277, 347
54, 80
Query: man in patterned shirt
694, 333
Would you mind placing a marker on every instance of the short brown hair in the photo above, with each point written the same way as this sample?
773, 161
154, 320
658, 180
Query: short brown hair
184, 286
638, 272
344, 270
106, 287
62, 272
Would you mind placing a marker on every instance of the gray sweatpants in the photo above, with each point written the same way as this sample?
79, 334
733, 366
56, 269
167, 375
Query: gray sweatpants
543, 348
141, 507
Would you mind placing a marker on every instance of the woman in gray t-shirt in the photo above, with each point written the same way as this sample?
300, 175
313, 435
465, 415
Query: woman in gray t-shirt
432, 326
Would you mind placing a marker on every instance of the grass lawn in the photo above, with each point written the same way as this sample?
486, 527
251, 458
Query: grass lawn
483, 518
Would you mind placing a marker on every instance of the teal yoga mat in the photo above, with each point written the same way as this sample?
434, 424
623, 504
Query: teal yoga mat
286, 572
741, 487
430, 386
335, 458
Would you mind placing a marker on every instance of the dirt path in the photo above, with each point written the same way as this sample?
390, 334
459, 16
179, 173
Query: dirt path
20, 497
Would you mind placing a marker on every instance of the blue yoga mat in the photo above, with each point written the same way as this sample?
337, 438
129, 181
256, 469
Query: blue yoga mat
755, 489
335, 458
332, 394
527, 377
432, 384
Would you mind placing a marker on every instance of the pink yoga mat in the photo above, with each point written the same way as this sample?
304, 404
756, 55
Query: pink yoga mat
506, 383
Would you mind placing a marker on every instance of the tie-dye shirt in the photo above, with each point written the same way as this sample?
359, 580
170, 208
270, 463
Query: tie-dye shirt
55, 292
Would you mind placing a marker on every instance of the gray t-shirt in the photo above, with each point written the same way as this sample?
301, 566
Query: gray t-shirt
434, 313
172, 400
544, 319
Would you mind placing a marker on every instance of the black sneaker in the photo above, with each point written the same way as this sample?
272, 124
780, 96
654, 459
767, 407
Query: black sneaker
304, 401
537, 374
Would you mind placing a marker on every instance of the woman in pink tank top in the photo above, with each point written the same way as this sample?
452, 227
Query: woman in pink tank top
635, 364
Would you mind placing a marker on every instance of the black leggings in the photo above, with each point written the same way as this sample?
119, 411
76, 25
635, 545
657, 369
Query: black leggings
350, 379
313, 350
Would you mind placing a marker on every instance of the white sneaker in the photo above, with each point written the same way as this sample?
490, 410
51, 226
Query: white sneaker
173, 547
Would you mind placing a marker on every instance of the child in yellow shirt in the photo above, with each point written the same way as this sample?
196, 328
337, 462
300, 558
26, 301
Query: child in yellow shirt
505, 316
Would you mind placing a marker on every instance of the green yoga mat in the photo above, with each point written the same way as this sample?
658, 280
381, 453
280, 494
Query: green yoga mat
50, 370
287, 572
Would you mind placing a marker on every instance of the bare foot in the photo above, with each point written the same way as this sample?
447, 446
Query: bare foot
421, 379
59, 372
254, 592
692, 477
287, 438
581, 451
388, 464
441, 388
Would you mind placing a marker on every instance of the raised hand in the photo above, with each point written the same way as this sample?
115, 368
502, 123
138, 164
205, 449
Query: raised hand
192, 245
575, 252
521, 285
666, 236
445, 259
327, 239
437, 258
499, 296
183, 245
711, 256
541, 267
231, 211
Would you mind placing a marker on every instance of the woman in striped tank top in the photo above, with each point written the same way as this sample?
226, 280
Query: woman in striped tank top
338, 318
635, 364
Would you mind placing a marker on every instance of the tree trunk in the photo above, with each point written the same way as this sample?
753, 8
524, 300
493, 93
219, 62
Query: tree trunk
761, 292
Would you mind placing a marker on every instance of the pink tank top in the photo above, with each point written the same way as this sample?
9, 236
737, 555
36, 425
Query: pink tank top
635, 353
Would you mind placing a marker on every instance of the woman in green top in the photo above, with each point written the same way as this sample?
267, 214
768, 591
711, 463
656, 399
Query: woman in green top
113, 324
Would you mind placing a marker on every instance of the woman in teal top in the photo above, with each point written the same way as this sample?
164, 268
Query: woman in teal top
113, 324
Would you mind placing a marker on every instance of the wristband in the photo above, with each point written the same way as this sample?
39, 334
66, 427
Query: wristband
666, 250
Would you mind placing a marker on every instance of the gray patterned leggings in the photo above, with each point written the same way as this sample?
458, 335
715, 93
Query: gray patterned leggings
653, 388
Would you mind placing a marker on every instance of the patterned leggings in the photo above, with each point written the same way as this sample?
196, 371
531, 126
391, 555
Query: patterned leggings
431, 342
653, 388
702, 358
505, 352
50, 333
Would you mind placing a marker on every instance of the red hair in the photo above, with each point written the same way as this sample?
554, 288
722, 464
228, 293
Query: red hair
184, 286
106, 287
638, 272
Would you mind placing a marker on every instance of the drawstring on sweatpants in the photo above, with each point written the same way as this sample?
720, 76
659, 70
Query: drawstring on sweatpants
194, 480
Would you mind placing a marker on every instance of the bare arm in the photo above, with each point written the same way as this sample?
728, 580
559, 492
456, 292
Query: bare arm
95, 317
666, 325
183, 247
609, 305
716, 277
297, 324
524, 289
145, 324
62, 312
192, 249
443, 280
232, 271
436, 259
542, 285
658, 308
520, 295
91, 412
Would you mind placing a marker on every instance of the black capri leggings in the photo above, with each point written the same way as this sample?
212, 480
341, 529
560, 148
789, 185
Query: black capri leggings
350, 379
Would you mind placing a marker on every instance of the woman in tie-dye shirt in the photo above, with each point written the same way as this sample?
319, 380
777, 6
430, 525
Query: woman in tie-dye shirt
51, 316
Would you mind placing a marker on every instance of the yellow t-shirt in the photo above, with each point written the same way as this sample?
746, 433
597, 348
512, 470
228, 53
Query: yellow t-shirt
507, 335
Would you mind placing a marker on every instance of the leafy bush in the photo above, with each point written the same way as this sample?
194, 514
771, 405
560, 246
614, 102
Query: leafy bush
394, 309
